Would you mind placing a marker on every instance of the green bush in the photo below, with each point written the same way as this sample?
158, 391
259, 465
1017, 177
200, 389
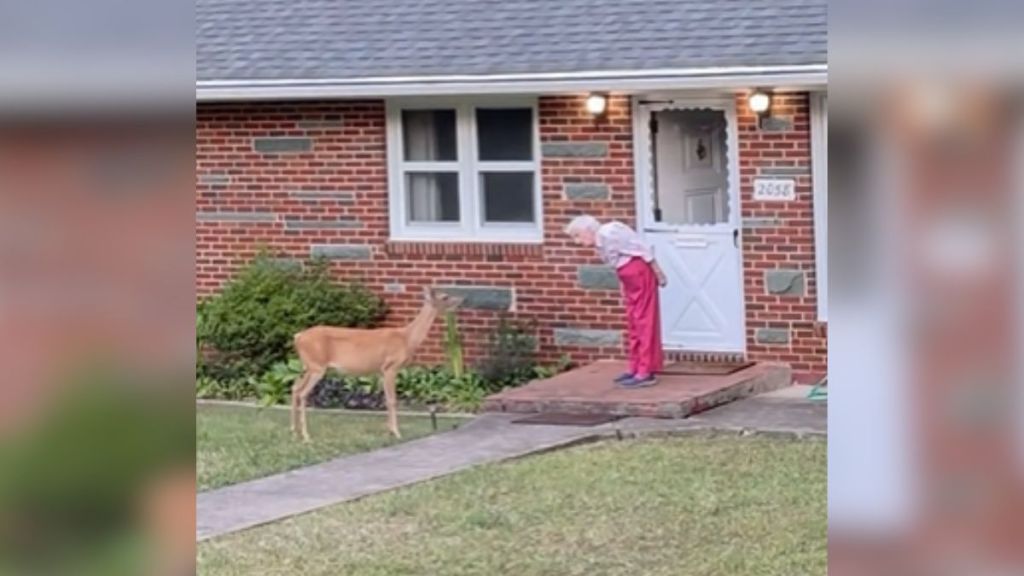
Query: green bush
417, 386
511, 354
247, 328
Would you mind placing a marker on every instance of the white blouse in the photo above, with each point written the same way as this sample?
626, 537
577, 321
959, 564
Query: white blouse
618, 244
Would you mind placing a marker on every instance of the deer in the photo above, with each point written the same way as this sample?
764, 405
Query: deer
363, 352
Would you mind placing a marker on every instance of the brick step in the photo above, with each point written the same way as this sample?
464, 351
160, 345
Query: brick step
589, 390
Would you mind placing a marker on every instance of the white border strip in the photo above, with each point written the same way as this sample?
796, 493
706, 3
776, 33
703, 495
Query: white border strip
626, 81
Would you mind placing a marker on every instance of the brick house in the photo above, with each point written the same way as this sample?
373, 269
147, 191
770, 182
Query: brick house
420, 143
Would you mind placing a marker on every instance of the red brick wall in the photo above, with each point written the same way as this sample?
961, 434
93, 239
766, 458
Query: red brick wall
778, 237
335, 173
349, 158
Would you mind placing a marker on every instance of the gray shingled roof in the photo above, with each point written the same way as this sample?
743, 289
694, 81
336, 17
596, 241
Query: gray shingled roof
337, 39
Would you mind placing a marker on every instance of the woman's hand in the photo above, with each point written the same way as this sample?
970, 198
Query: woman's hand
659, 274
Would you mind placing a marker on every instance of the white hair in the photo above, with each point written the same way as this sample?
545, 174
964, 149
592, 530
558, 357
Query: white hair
581, 223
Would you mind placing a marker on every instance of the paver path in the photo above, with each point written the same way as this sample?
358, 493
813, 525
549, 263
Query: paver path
483, 440
489, 438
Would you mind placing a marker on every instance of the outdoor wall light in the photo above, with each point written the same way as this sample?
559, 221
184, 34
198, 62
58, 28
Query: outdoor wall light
759, 102
597, 104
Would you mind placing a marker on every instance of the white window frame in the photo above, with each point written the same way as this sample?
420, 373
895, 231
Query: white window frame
819, 177
471, 226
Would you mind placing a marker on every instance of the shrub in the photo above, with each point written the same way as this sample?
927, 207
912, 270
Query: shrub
251, 323
511, 355
453, 344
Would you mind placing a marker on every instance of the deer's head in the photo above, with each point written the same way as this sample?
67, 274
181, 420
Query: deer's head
442, 301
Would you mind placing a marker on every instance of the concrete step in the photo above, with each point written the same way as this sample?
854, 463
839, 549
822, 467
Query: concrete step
589, 390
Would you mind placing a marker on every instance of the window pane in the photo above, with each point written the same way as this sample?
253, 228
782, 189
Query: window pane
429, 135
691, 167
507, 196
432, 196
505, 134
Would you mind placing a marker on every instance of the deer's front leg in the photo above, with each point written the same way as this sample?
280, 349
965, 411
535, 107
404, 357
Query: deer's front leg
391, 399
314, 379
297, 388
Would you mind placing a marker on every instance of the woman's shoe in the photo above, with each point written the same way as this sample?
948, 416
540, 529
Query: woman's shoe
624, 377
639, 381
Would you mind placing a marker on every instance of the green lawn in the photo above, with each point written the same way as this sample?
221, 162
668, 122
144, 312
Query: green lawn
714, 506
237, 443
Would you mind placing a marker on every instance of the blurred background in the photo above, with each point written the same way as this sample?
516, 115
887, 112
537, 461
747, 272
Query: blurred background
926, 420
97, 305
926, 447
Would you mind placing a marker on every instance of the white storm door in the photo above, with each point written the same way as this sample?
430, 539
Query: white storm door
689, 214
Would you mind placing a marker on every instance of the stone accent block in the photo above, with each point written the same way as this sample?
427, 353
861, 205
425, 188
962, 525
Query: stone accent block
587, 338
784, 282
587, 191
325, 123
214, 179
337, 224
754, 223
772, 336
776, 124
574, 149
786, 171
235, 216
598, 278
340, 251
333, 195
482, 297
282, 145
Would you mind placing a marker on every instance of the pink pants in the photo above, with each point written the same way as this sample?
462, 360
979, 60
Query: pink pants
640, 290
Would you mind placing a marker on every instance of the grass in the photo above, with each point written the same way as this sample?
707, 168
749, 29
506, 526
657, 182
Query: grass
238, 443
721, 506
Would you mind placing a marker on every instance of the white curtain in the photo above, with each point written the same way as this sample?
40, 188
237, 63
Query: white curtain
424, 192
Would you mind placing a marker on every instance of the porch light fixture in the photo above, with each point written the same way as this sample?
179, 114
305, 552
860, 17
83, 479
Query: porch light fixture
597, 105
759, 102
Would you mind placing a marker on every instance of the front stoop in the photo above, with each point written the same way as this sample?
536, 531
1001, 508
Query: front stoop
589, 390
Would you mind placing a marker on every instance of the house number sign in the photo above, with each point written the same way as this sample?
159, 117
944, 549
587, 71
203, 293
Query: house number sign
774, 190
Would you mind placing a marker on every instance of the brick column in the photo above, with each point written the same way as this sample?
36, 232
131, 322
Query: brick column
780, 282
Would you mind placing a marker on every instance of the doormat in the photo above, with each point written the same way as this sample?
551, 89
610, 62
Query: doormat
704, 368
563, 419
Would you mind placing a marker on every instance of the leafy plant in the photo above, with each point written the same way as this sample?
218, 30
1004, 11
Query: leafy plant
208, 387
511, 355
542, 371
453, 344
275, 386
248, 327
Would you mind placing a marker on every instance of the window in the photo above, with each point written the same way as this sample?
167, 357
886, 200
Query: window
464, 171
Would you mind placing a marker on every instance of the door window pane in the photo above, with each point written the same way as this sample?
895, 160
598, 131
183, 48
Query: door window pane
505, 134
507, 196
432, 196
429, 135
691, 174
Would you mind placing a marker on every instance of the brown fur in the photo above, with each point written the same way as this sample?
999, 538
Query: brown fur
362, 352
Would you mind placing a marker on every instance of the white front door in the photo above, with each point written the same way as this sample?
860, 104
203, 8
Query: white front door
689, 213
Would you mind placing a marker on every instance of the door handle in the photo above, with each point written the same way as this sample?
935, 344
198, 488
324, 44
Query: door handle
736, 237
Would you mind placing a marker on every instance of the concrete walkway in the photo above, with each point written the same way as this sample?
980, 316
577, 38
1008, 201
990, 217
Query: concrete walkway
489, 438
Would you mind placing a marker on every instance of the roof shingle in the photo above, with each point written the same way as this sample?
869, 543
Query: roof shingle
341, 39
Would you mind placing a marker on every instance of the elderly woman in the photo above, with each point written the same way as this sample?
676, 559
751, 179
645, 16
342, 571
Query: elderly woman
639, 275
